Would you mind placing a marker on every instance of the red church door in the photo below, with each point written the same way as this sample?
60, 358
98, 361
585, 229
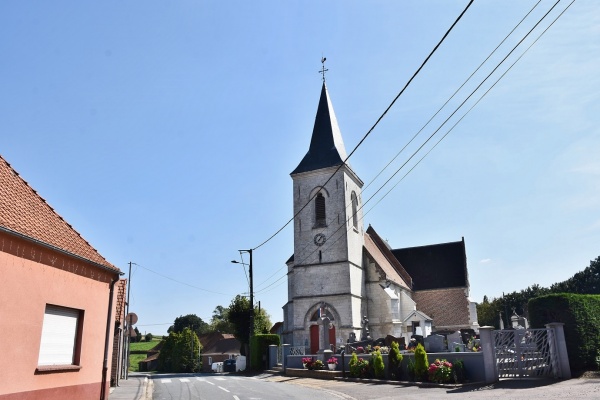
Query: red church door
314, 338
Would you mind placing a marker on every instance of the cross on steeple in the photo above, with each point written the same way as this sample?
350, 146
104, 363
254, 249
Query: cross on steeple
323, 69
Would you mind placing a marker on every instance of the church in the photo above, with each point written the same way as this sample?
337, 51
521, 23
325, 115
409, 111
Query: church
344, 282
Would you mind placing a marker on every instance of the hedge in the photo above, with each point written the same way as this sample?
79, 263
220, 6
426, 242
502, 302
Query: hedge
259, 347
581, 315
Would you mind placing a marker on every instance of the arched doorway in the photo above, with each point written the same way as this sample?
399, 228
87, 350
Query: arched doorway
316, 321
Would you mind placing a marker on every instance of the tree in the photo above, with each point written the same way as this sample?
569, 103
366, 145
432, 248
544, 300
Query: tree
238, 315
189, 321
180, 352
262, 321
219, 321
583, 282
137, 337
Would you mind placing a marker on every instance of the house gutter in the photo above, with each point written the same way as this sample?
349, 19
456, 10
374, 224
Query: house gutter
107, 339
58, 249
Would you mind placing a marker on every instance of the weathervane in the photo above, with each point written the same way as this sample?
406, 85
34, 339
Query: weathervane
323, 69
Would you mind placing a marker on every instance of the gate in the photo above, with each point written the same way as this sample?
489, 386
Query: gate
525, 353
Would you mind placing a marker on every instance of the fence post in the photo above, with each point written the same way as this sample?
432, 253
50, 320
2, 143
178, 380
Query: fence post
489, 356
558, 352
284, 354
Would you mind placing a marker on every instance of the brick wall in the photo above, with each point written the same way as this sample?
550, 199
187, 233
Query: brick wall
449, 308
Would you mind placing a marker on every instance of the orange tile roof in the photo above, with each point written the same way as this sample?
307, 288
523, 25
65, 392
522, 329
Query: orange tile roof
24, 211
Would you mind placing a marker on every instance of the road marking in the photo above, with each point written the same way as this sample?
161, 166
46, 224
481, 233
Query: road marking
219, 379
184, 380
222, 388
165, 381
235, 397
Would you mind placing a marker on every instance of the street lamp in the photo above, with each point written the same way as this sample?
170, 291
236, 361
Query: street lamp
251, 297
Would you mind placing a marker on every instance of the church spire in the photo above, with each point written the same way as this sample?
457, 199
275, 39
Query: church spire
326, 145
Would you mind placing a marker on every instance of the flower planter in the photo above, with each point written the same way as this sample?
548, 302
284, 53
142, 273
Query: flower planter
332, 366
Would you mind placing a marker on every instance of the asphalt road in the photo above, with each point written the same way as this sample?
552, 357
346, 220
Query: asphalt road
271, 387
229, 387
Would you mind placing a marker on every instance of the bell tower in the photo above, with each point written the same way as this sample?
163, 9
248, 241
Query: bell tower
325, 274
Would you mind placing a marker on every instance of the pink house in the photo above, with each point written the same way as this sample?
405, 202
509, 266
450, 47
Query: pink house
58, 299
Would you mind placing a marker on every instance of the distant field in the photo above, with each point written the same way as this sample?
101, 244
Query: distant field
144, 346
134, 359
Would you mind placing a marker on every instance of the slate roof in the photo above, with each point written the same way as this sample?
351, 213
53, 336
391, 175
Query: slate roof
24, 212
326, 145
437, 266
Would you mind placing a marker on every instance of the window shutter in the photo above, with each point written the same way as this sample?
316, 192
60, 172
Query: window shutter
59, 332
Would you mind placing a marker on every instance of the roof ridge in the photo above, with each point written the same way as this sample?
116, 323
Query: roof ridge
429, 245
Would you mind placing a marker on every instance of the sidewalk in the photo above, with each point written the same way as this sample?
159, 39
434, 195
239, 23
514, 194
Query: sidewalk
137, 387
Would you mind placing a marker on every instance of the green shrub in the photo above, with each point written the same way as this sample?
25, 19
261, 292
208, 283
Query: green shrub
579, 313
458, 371
259, 345
395, 361
378, 365
410, 368
149, 337
176, 354
359, 367
421, 363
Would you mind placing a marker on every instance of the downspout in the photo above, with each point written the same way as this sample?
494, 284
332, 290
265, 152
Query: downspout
107, 339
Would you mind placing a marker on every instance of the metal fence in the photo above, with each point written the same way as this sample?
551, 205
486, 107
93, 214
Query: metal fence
524, 353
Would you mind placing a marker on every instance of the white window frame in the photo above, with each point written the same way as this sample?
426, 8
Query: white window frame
60, 342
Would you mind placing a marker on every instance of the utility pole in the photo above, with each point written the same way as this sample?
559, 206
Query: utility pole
251, 333
128, 325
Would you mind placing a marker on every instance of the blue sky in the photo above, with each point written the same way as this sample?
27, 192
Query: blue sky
165, 132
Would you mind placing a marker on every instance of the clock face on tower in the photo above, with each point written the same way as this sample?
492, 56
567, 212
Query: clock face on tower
320, 239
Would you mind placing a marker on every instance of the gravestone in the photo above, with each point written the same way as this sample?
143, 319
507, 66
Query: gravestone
352, 337
434, 344
454, 337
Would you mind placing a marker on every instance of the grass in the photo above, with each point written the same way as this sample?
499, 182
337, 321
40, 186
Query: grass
134, 359
144, 346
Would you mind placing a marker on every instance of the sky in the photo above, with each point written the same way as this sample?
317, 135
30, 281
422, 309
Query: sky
165, 133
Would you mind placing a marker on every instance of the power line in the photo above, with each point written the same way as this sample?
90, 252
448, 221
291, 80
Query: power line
452, 128
374, 125
180, 282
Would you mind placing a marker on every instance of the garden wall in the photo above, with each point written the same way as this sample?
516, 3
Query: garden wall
474, 367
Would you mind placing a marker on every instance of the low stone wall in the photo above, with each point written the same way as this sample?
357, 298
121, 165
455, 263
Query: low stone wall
306, 373
474, 366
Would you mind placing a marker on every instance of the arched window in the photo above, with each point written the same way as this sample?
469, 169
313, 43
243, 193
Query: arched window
320, 210
354, 200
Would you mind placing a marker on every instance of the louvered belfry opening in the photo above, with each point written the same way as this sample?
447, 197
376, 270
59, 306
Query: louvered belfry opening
320, 210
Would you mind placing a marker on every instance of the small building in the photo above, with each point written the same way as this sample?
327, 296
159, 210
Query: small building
57, 302
218, 347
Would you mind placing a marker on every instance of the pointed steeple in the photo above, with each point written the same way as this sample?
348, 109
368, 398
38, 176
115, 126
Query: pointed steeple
326, 146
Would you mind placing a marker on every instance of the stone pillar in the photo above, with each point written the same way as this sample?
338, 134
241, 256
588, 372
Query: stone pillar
285, 353
324, 334
489, 357
558, 352
272, 356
